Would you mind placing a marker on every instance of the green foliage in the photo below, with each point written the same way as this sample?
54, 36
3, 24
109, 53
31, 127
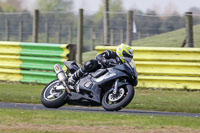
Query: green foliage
151, 23
55, 5
173, 23
1, 10
114, 6
9, 8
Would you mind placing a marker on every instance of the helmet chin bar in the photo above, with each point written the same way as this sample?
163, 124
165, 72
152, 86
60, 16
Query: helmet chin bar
128, 59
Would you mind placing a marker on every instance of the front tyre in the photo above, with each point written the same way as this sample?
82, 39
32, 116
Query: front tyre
51, 98
111, 102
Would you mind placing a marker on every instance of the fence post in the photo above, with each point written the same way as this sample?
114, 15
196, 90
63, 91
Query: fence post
121, 35
139, 35
70, 34
7, 38
189, 29
80, 37
92, 37
21, 31
47, 31
129, 29
102, 36
106, 23
35, 26
59, 33
112, 37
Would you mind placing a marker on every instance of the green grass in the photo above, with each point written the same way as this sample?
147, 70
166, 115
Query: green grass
14, 120
20, 93
169, 39
89, 55
159, 100
165, 100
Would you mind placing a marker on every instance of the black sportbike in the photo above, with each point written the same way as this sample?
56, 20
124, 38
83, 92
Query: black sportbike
112, 86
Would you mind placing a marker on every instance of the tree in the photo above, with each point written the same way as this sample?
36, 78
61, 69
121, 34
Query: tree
195, 10
148, 23
173, 23
170, 9
55, 5
10, 6
196, 18
114, 6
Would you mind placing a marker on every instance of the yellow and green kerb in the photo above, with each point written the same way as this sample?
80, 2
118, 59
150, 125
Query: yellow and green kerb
30, 62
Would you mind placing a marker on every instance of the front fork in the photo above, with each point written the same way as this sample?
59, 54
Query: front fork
61, 76
116, 87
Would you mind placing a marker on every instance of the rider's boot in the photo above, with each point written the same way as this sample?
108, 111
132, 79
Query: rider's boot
75, 77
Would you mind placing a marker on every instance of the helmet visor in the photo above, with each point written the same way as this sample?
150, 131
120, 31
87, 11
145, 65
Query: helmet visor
125, 54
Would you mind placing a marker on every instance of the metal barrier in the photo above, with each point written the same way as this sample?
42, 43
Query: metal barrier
170, 68
31, 62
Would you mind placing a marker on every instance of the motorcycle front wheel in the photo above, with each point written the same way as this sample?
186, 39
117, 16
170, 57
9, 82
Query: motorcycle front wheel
115, 102
51, 98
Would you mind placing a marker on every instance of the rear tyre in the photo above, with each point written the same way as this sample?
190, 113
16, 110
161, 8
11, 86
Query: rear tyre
112, 102
51, 98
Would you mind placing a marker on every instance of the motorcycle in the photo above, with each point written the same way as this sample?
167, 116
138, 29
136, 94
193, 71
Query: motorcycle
112, 87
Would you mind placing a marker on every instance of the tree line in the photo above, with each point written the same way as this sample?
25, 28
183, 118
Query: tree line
149, 22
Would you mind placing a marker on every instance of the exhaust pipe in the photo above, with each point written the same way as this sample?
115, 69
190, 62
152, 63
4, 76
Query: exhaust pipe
59, 72
61, 76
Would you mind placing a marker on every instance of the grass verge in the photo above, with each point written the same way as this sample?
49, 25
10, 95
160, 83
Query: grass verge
20, 93
169, 39
159, 100
89, 55
14, 120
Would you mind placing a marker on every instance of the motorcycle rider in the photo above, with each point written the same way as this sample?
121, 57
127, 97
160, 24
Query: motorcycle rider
123, 51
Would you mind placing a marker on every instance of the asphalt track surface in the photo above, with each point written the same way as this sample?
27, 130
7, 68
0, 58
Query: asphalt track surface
93, 109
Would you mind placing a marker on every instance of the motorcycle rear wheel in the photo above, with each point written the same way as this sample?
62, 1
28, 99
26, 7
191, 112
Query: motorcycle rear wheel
115, 104
51, 98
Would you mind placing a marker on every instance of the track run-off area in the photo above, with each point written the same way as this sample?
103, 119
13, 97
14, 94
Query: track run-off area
93, 109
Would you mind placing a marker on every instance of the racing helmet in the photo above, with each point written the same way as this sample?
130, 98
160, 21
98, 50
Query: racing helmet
125, 52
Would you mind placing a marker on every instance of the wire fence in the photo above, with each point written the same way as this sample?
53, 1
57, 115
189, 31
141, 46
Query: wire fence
196, 29
61, 27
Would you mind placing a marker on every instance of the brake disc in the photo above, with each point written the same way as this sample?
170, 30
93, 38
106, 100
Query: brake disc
116, 97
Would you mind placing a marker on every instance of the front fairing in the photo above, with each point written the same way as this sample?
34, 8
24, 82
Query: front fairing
131, 69
130, 62
129, 66
133, 66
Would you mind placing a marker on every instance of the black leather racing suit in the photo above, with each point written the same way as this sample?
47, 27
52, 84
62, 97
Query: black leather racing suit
92, 65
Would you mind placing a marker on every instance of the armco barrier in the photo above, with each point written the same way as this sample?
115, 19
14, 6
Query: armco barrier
171, 68
31, 62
